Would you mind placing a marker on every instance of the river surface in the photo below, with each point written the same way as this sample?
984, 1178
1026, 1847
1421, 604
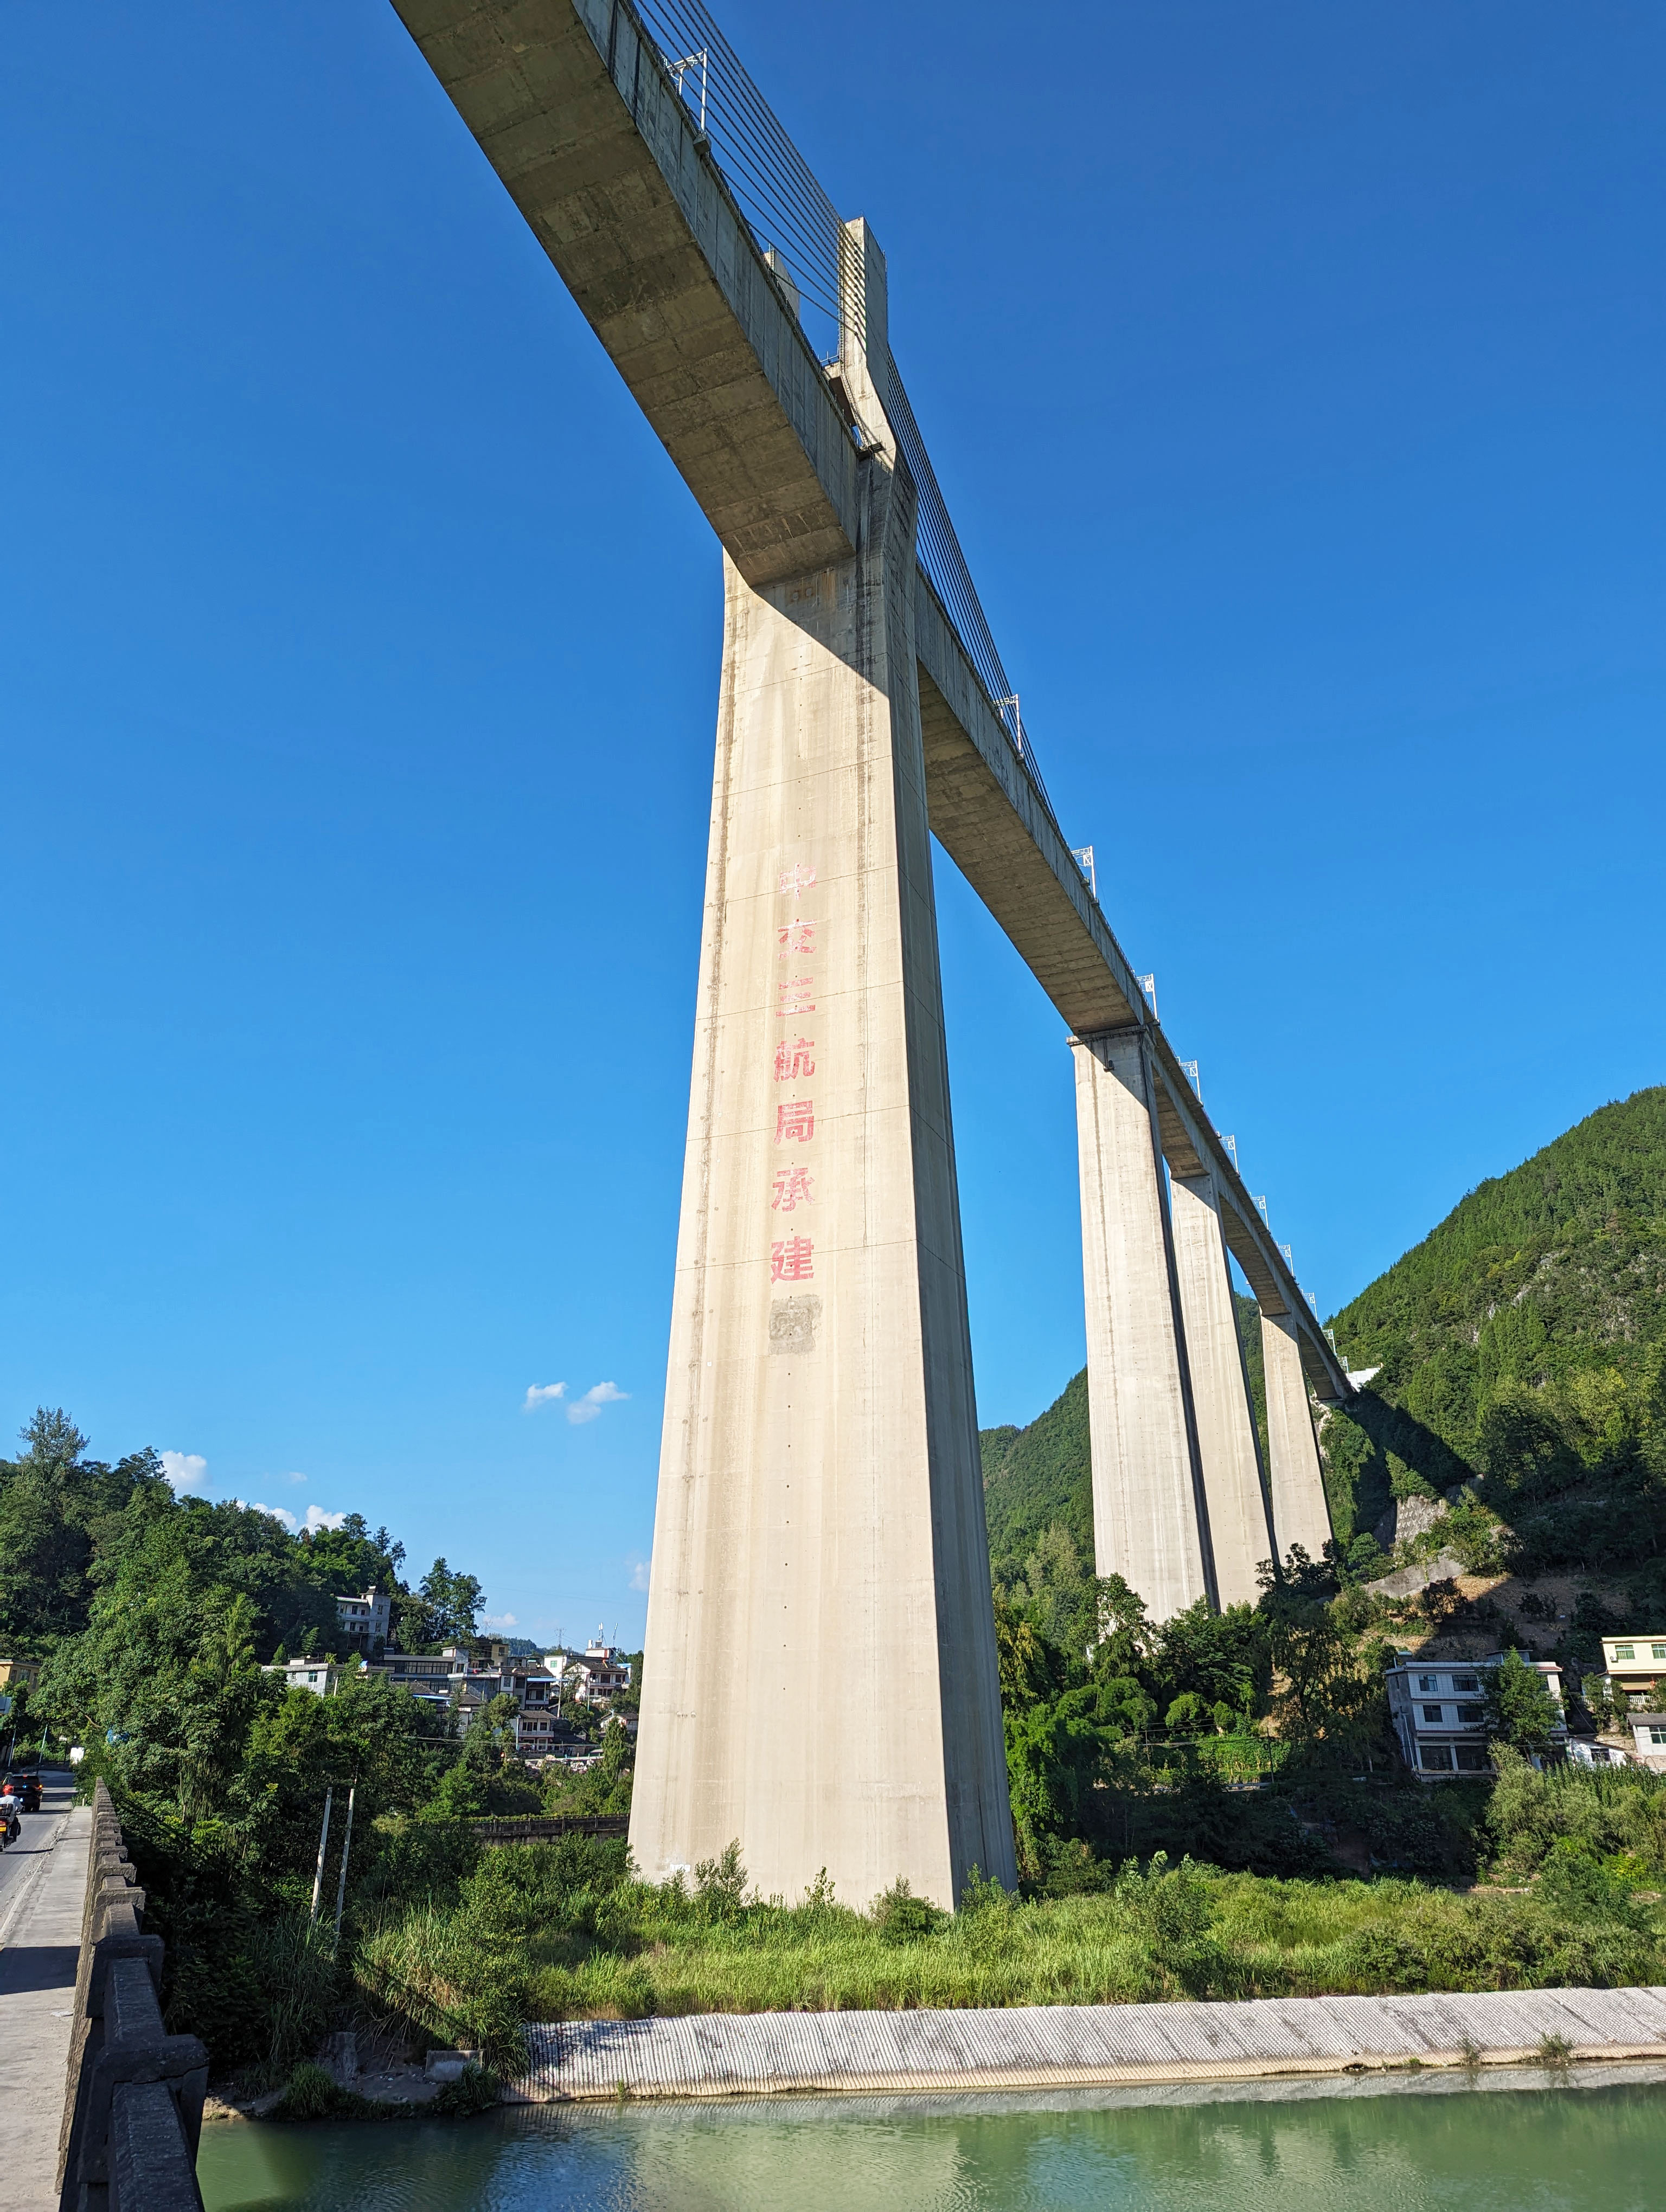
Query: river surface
1514, 2146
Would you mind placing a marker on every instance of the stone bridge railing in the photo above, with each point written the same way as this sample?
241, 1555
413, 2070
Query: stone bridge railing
133, 2108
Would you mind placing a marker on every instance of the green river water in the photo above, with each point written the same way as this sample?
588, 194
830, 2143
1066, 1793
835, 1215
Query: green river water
1516, 2145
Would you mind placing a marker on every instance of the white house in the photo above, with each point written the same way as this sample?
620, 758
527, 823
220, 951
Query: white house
591, 1677
365, 1620
1582, 1751
1648, 1734
1439, 1708
317, 1675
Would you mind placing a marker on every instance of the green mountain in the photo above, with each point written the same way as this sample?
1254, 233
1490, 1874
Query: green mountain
1037, 1476
1521, 1348
1523, 1345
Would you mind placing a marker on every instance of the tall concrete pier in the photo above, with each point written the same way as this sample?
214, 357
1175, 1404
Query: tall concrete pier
1151, 1514
1238, 1531
1300, 1513
819, 1674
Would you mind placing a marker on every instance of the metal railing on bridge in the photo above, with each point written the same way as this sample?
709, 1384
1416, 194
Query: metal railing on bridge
797, 227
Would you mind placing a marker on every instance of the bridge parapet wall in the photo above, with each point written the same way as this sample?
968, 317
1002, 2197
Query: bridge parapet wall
133, 2102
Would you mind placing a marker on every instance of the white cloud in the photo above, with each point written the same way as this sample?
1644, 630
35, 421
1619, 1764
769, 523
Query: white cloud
184, 1470
316, 1518
278, 1512
294, 1478
542, 1394
587, 1408
639, 1571
501, 1620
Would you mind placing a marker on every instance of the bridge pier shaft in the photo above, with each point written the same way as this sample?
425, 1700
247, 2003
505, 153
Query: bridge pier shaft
1239, 1534
819, 1676
1301, 1514
1151, 1514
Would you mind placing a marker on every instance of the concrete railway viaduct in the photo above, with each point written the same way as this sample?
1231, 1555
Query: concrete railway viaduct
820, 1667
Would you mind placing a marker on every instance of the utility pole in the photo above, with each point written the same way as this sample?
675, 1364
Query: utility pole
323, 1838
341, 1879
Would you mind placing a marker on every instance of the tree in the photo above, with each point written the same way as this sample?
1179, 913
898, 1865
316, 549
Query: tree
1520, 1709
52, 1438
1328, 1699
350, 1559
454, 1601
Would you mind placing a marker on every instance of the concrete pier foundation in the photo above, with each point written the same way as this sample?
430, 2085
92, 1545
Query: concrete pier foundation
1300, 1512
1239, 1534
1151, 1517
819, 1677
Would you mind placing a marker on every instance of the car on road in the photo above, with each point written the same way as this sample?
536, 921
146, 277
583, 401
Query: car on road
27, 1787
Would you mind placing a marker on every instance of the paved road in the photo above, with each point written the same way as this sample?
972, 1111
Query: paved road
20, 1864
43, 1880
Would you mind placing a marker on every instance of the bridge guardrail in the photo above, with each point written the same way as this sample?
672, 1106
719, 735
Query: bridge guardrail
133, 2102
540, 1828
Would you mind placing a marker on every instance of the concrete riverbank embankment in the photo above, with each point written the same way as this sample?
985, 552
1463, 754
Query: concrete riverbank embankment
1067, 2046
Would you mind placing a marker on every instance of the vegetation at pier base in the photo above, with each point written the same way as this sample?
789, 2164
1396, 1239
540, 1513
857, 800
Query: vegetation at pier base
563, 1932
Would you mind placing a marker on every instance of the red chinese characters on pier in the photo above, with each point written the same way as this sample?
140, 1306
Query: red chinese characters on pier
790, 1261
791, 1258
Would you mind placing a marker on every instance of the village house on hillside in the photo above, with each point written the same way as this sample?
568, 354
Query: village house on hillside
1439, 1712
593, 1677
1637, 1685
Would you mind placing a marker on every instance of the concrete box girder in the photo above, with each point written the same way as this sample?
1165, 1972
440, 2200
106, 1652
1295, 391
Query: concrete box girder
571, 105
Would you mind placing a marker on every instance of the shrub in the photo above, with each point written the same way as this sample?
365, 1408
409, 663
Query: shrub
720, 1884
310, 2093
1380, 1959
901, 1918
1172, 1912
477, 2089
1578, 1885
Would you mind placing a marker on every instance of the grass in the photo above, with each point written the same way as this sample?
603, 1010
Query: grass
527, 1941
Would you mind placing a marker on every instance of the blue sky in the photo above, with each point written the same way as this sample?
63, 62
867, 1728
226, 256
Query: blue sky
1294, 376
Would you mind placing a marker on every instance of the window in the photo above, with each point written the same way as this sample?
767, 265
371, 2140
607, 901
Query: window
1658, 1649
1432, 1715
1428, 1681
1471, 1758
1657, 1738
1437, 1758
1472, 1716
1470, 1682
1625, 1651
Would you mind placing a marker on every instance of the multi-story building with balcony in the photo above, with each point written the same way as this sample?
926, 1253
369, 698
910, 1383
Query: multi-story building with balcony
591, 1677
1439, 1708
364, 1621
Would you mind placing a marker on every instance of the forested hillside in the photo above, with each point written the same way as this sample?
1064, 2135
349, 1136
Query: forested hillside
1521, 1347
